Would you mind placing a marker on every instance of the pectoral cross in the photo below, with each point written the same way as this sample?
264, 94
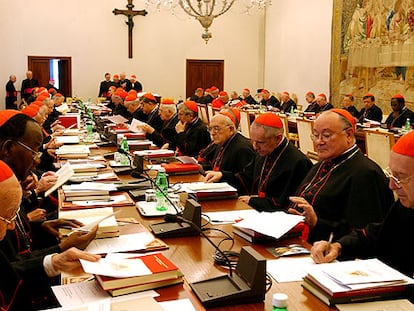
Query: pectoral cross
130, 13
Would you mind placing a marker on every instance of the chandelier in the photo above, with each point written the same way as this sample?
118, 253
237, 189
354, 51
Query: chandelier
205, 11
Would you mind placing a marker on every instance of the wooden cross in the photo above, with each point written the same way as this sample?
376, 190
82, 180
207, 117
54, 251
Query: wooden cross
130, 13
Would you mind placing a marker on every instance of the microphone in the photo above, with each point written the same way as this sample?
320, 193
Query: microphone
179, 219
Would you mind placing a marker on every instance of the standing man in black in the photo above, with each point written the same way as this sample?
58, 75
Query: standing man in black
27, 85
11, 93
104, 86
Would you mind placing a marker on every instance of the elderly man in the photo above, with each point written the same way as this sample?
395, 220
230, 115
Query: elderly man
191, 134
388, 239
221, 100
370, 110
150, 109
348, 105
400, 113
198, 94
287, 103
168, 114
269, 100
277, 169
345, 190
135, 84
312, 104
323, 104
232, 151
133, 104
28, 85
11, 93
248, 98
21, 278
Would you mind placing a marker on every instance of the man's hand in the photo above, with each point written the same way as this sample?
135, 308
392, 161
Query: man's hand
212, 176
30, 182
323, 252
46, 182
303, 208
244, 199
180, 127
78, 239
52, 226
68, 261
147, 128
39, 214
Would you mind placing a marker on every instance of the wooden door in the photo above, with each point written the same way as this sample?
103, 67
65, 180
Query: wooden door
40, 65
204, 73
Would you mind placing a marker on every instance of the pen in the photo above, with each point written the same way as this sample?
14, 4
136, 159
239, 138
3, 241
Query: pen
328, 246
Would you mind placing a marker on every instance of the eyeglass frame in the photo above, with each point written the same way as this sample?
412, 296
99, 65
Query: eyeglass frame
217, 128
11, 220
327, 136
397, 181
36, 154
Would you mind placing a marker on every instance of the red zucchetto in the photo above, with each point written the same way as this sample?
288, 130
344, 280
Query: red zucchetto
405, 145
269, 119
5, 171
6, 115
192, 105
346, 115
398, 96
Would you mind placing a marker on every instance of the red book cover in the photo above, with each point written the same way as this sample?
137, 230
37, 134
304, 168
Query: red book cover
69, 120
180, 168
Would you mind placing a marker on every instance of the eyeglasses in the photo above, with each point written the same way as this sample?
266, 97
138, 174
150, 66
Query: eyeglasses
325, 136
396, 180
216, 128
11, 220
36, 154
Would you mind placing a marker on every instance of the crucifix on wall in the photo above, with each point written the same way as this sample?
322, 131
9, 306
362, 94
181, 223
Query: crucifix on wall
130, 13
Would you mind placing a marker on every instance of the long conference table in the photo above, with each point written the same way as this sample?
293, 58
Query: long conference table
193, 256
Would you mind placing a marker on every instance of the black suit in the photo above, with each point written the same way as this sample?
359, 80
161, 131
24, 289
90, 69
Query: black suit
158, 137
27, 87
11, 96
374, 113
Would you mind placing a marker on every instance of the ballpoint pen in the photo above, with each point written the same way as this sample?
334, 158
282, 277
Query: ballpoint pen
328, 246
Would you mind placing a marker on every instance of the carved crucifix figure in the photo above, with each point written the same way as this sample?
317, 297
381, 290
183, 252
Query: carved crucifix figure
130, 13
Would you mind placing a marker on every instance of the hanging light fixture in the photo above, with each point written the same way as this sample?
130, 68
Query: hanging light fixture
205, 11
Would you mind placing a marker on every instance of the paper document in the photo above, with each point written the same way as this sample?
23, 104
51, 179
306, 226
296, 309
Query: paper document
388, 305
230, 217
117, 268
135, 126
289, 269
63, 175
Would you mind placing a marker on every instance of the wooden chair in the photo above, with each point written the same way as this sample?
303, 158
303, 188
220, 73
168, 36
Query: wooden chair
202, 113
245, 123
305, 130
293, 137
378, 146
210, 112
313, 156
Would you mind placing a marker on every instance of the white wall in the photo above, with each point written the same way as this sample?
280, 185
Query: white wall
298, 45
96, 40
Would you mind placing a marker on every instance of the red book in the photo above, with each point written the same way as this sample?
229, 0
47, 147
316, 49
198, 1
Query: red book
70, 120
180, 168
161, 268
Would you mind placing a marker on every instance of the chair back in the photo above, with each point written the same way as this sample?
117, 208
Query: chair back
202, 113
210, 112
305, 130
245, 123
378, 146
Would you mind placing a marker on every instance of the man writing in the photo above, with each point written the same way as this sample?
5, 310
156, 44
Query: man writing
386, 240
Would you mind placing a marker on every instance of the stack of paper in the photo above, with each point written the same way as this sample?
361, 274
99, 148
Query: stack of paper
73, 151
356, 280
209, 191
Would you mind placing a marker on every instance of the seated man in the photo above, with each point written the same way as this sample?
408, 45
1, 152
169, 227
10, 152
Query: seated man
312, 104
323, 104
168, 114
348, 105
134, 106
400, 112
386, 240
345, 190
150, 109
287, 103
191, 134
248, 98
21, 278
370, 110
232, 150
220, 101
277, 169
269, 100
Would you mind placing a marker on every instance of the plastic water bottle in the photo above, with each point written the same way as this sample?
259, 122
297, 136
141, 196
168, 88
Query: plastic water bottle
125, 147
161, 190
407, 126
279, 302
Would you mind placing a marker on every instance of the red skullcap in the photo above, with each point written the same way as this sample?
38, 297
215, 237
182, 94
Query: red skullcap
58, 95
42, 97
246, 90
133, 92
322, 95
167, 101
150, 97
199, 89
131, 97
368, 95
234, 113
310, 93
265, 91
346, 115
37, 103
30, 111
6, 115
133, 76
269, 119
5, 171
208, 90
116, 76
121, 93
405, 145
213, 88
192, 105
51, 90
223, 93
398, 96
286, 93
41, 90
